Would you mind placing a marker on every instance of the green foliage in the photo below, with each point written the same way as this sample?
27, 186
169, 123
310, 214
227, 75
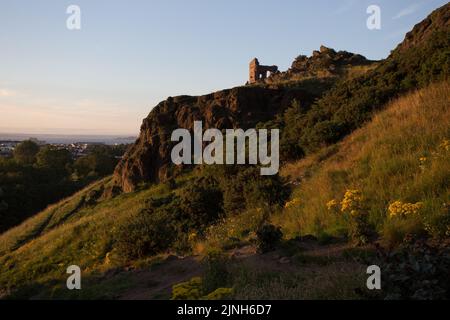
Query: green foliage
146, 234
100, 161
216, 273
417, 271
26, 151
220, 294
269, 236
58, 160
189, 290
37, 177
201, 203
350, 103
245, 188
194, 290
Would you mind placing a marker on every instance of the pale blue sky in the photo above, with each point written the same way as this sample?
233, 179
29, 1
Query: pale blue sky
129, 55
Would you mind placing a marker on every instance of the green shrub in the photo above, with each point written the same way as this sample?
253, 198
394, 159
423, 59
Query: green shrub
146, 234
269, 236
216, 271
194, 290
189, 290
201, 203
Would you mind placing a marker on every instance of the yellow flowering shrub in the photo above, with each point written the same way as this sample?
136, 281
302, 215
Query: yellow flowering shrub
445, 145
332, 205
352, 202
402, 209
353, 205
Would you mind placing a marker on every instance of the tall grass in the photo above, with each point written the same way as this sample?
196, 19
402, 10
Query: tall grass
382, 159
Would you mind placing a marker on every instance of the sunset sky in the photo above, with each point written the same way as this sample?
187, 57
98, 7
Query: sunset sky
129, 55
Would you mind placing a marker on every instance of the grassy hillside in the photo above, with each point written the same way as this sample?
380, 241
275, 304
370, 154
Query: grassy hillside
401, 155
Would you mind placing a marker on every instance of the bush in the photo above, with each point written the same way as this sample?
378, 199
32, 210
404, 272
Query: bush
269, 236
194, 290
189, 290
247, 189
146, 234
26, 151
216, 271
353, 206
201, 203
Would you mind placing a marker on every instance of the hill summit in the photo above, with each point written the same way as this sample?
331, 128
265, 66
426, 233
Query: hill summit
323, 85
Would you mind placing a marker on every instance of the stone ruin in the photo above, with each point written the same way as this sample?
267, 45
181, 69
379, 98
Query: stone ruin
260, 72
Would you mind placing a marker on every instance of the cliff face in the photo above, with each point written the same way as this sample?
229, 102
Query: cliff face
148, 160
439, 20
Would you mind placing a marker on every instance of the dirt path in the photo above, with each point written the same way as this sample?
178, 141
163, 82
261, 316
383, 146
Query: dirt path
157, 282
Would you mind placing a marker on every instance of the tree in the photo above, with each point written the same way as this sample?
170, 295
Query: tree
25, 152
52, 158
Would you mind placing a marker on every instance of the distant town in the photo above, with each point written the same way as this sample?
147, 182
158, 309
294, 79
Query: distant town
77, 149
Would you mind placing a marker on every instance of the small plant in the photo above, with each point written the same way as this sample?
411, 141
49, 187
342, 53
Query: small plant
189, 290
353, 206
438, 225
216, 271
194, 290
269, 236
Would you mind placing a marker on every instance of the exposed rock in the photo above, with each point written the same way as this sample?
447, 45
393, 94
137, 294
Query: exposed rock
148, 160
437, 20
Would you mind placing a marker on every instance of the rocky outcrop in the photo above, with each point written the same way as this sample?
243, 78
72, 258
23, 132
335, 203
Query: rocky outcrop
325, 62
148, 160
437, 20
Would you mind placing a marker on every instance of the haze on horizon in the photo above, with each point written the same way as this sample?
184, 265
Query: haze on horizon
127, 57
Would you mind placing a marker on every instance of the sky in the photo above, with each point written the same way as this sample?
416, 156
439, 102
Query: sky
131, 54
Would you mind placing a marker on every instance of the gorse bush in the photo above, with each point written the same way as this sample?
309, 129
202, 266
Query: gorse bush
201, 203
401, 209
243, 188
146, 234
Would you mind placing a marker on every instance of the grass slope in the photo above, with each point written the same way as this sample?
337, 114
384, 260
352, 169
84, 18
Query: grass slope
381, 159
400, 155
